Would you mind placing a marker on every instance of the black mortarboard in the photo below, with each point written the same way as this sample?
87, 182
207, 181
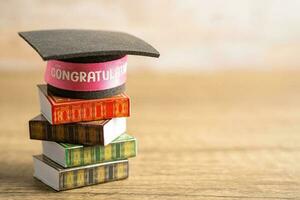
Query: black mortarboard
86, 46
75, 44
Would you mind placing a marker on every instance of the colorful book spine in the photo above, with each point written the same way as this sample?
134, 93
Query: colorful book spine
123, 147
60, 178
65, 110
87, 133
77, 112
93, 175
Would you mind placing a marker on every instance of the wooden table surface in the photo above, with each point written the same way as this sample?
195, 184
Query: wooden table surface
225, 135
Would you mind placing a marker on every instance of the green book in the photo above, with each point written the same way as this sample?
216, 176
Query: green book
70, 155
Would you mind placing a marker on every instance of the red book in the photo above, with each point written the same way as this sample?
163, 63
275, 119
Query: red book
59, 110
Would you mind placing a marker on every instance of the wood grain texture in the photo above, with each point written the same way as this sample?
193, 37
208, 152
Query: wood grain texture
225, 135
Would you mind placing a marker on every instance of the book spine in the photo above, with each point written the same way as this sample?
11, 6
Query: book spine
93, 175
77, 112
70, 133
37, 130
97, 154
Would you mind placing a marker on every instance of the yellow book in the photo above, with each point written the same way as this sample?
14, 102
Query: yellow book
60, 178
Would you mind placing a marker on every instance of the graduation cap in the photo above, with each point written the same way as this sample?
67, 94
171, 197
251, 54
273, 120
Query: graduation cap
86, 64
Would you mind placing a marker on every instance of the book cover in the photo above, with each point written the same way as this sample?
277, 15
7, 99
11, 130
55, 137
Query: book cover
59, 110
70, 155
60, 178
100, 132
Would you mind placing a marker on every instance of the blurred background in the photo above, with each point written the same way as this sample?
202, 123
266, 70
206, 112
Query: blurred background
217, 115
191, 34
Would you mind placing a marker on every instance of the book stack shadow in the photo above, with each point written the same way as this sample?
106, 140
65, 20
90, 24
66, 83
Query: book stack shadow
84, 107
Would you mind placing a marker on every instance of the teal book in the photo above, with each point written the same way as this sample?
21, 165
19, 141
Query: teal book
70, 155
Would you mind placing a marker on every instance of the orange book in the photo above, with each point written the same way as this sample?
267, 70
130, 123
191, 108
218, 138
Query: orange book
60, 110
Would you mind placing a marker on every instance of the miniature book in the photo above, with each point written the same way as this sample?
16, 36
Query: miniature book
100, 132
60, 110
60, 178
70, 155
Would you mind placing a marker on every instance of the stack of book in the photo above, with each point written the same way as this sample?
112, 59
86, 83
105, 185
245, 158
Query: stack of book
83, 106
83, 153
